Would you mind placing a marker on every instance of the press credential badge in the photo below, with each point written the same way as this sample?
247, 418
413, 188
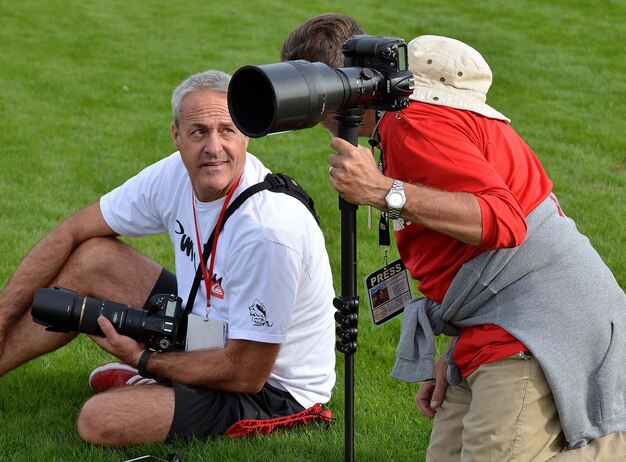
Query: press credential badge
388, 290
205, 334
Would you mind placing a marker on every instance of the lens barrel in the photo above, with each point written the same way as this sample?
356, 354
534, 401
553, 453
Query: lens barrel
283, 96
126, 320
62, 310
292, 95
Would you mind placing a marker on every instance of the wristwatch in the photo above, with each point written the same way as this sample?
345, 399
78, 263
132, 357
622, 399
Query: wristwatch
395, 199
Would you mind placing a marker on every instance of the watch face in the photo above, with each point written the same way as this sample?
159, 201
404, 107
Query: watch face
395, 199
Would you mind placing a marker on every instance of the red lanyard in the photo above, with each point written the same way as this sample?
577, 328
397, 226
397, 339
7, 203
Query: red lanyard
218, 226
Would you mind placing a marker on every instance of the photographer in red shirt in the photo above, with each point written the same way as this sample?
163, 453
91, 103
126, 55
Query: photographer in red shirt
470, 188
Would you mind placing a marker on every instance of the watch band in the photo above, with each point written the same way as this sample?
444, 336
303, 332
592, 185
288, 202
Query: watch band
397, 188
143, 363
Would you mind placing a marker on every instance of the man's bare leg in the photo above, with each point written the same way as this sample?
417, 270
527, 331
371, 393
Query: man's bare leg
127, 416
101, 267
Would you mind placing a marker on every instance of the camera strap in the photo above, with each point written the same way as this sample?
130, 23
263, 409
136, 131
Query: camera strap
274, 182
384, 237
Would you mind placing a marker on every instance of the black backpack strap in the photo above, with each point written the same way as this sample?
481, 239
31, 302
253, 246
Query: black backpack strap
279, 182
275, 182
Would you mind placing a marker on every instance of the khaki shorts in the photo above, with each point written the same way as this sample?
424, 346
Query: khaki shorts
505, 411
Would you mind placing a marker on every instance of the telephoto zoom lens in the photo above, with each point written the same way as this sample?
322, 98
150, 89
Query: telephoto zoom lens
296, 94
62, 310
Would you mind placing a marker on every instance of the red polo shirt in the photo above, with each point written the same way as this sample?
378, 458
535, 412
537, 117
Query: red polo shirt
455, 150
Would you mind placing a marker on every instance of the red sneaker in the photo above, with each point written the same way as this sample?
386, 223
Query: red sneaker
112, 375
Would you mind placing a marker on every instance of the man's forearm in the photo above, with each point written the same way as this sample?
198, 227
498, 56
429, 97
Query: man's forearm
42, 264
38, 269
241, 367
355, 176
456, 214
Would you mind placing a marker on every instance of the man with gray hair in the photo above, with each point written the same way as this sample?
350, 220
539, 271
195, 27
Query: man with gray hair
260, 337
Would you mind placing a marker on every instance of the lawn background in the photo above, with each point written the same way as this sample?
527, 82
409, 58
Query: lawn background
85, 103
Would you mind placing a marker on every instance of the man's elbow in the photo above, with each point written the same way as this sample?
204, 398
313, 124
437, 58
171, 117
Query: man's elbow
249, 385
250, 365
503, 222
506, 237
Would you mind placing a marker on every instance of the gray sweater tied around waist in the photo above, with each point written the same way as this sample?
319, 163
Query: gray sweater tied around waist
553, 293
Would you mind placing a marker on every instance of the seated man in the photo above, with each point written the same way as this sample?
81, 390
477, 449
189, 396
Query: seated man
267, 279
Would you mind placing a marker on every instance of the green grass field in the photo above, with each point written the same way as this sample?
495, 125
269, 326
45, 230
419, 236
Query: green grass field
84, 95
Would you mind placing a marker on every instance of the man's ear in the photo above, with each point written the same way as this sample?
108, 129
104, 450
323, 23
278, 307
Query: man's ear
175, 136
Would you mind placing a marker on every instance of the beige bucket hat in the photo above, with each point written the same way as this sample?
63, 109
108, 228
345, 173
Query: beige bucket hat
450, 73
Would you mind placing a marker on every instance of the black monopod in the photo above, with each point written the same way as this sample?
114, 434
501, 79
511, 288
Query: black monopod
293, 95
347, 304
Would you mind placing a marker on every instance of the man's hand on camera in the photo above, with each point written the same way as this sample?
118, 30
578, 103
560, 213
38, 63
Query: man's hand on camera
355, 175
125, 348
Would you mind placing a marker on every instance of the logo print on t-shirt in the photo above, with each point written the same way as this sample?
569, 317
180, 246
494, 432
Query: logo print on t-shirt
216, 287
186, 243
258, 313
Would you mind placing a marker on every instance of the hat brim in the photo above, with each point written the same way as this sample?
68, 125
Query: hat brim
445, 97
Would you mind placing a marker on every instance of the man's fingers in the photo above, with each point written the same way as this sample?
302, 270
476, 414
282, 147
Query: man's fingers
342, 146
336, 143
106, 326
423, 399
438, 394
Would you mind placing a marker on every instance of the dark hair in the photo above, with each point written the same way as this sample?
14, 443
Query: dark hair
320, 38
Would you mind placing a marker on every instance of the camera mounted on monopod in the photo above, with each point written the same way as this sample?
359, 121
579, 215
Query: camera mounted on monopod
292, 95
298, 94
161, 326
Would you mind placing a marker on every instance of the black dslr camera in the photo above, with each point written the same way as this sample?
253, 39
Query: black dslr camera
298, 94
161, 327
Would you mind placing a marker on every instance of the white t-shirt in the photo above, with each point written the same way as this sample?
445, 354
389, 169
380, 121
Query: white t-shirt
272, 279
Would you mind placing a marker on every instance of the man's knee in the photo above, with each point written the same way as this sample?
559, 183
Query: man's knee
127, 416
88, 270
93, 255
95, 424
